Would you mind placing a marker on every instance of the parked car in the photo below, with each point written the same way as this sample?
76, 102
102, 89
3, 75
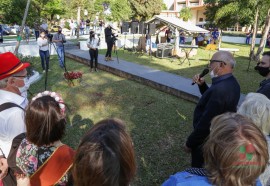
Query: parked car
54, 28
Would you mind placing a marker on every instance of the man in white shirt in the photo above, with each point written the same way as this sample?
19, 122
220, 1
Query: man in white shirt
12, 82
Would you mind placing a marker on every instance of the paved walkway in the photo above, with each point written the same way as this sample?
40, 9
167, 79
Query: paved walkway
164, 81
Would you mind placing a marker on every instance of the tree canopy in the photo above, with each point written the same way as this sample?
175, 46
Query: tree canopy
145, 9
185, 14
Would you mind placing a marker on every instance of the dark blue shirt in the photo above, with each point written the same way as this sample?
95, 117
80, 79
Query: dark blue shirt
221, 97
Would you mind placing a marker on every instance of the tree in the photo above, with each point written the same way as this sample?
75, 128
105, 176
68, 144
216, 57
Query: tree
185, 14
145, 9
22, 27
227, 13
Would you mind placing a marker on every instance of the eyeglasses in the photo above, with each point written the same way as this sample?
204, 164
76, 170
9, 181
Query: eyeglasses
20, 76
219, 61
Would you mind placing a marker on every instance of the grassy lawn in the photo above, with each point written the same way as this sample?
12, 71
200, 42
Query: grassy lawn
158, 122
249, 81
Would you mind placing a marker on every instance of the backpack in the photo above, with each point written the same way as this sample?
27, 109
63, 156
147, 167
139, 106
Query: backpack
10, 179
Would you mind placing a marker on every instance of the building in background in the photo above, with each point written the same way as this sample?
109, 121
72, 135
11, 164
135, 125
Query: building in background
197, 9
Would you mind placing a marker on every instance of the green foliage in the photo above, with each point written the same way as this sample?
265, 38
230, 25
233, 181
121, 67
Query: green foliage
12, 10
145, 9
185, 14
164, 6
121, 10
228, 13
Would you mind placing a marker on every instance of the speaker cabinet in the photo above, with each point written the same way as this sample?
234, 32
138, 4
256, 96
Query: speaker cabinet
125, 27
151, 28
134, 27
142, 28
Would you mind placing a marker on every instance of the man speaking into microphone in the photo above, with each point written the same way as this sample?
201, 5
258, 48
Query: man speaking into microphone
221, 97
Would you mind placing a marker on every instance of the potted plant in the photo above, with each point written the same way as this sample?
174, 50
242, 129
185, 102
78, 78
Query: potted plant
73, 78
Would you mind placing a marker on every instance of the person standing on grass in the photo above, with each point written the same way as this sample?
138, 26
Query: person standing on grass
44, 50
1, 34
13, 75
93, 44
27, 33
263, 68
60, 39
221, 97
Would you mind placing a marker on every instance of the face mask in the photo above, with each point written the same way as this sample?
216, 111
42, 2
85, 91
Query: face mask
42, 35
263, 71
212, 74
23, 89
59, 31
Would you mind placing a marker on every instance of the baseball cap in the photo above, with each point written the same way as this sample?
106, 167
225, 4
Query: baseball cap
10, 64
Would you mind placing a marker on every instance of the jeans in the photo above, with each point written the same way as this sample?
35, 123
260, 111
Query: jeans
87, 29
36, 34
44, 56
60, 51
109, 49
93, 57
247, 40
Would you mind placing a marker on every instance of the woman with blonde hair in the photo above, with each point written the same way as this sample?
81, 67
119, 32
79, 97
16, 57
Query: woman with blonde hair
256, 107
235, 155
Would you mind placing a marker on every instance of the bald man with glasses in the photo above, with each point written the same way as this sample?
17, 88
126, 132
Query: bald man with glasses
222, 96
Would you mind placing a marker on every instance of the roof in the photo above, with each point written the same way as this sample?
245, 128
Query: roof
178, 23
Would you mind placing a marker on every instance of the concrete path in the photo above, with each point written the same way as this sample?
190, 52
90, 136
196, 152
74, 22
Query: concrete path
164, 81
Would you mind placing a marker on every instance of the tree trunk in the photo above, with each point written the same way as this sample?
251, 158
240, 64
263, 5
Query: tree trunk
253, 41
78, 21
264, 36
22, 27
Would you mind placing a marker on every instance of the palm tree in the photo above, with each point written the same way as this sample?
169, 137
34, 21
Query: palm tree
185, 14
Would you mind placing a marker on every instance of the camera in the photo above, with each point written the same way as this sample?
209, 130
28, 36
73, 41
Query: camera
114, 37
50, 36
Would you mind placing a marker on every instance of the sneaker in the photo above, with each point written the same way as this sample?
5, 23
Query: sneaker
110, 59
44, 71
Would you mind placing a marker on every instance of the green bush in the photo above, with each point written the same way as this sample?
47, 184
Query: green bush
67, 25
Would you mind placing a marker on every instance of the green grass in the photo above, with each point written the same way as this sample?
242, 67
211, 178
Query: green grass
158, 123
249, 80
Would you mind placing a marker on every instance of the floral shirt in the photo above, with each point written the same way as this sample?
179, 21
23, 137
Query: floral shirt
29, 158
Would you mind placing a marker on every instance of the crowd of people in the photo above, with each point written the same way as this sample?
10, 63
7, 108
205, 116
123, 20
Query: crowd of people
228, 145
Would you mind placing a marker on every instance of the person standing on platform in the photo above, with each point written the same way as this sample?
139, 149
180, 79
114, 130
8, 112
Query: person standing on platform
93, 44
109, 41
221, 97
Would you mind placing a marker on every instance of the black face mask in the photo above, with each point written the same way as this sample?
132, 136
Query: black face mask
263, 71
59, 31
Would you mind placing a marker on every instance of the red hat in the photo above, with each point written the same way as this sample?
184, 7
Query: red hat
10, 64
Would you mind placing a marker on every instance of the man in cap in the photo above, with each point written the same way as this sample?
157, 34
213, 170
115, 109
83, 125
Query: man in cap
12, 82
109, 41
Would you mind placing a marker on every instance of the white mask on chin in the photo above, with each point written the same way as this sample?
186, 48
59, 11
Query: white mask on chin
23, 89
212, 74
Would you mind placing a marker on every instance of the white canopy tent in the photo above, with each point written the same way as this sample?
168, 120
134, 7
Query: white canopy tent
174, 22
177, 25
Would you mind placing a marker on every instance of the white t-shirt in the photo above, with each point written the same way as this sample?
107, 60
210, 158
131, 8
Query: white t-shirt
41, 42
11, 120
94, 43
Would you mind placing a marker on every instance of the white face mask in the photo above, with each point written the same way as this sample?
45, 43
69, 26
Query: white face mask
212, 74
23, 89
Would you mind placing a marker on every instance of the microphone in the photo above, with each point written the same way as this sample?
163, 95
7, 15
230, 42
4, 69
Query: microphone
204, 72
